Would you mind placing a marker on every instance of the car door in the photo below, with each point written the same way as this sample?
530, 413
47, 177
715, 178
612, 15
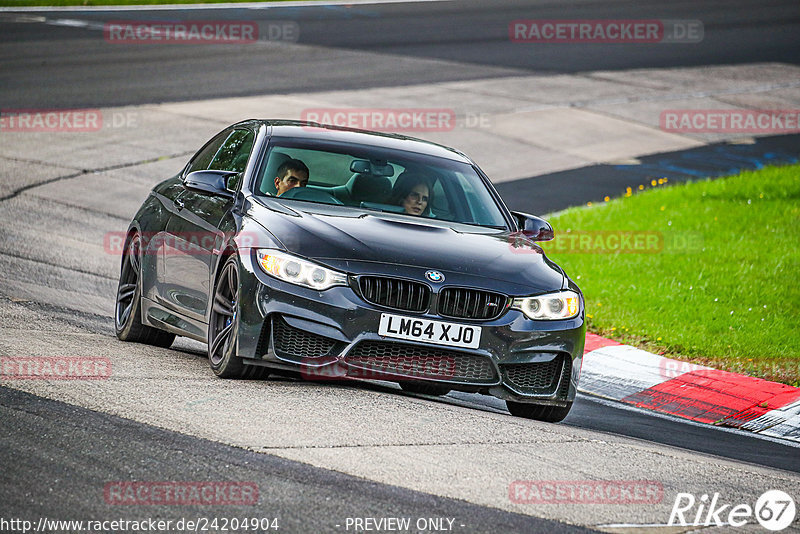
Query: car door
193, 228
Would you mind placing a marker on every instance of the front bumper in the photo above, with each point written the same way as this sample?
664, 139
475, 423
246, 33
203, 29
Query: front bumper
334, 334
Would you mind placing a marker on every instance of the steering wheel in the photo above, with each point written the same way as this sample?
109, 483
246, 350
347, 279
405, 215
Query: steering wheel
311, 194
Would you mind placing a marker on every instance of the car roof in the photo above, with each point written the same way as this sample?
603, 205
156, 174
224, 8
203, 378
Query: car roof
325, 132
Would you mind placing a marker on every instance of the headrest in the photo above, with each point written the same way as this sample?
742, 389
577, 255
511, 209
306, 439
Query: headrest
369, 188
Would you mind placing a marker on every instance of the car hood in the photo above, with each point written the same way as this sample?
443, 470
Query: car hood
341, 237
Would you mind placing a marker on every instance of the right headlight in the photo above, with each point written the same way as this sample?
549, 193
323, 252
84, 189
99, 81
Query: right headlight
299, 271
549, 307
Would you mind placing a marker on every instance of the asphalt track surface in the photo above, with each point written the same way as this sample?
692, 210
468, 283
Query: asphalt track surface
58, 64
89, 449
447, 41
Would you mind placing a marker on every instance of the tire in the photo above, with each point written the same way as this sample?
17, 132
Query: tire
549, 414
128, 308
223, 327
425, 388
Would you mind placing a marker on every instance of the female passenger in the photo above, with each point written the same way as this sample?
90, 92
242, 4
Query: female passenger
414, 193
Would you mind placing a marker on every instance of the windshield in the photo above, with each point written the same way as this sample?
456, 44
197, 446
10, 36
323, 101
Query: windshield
377, 179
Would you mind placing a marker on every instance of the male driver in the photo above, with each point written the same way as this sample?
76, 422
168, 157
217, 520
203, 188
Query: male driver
292, 173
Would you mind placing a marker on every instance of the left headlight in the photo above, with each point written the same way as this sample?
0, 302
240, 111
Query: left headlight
290, 268
549, 307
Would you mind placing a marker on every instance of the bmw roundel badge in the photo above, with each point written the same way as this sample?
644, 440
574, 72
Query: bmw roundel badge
434, 276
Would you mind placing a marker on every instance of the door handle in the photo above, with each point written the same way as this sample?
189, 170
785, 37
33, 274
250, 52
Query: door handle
179, 204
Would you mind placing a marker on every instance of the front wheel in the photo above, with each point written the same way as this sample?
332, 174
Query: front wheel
127, 312
223, 327
540, 412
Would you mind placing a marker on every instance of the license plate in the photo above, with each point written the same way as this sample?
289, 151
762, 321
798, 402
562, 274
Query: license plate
427, 331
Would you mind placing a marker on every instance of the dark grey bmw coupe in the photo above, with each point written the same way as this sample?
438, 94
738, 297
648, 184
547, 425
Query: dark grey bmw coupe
335, 253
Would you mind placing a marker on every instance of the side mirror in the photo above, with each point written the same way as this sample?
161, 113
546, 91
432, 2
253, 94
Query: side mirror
533, 227
212, 182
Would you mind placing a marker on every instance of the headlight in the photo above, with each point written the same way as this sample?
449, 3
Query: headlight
561, 305
294, 270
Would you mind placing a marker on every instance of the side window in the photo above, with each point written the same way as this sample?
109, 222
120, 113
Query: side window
233, 155
202, 159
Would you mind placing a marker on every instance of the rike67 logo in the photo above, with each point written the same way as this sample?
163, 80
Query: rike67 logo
774, 510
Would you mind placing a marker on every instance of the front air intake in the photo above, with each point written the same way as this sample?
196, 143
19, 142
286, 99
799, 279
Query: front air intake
403, 295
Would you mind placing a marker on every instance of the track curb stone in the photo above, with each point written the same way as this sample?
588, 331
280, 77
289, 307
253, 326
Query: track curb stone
633, 376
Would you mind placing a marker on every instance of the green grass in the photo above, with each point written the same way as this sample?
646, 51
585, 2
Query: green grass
730, 299
57, 3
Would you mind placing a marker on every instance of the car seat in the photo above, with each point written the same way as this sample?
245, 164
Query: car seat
368, 188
